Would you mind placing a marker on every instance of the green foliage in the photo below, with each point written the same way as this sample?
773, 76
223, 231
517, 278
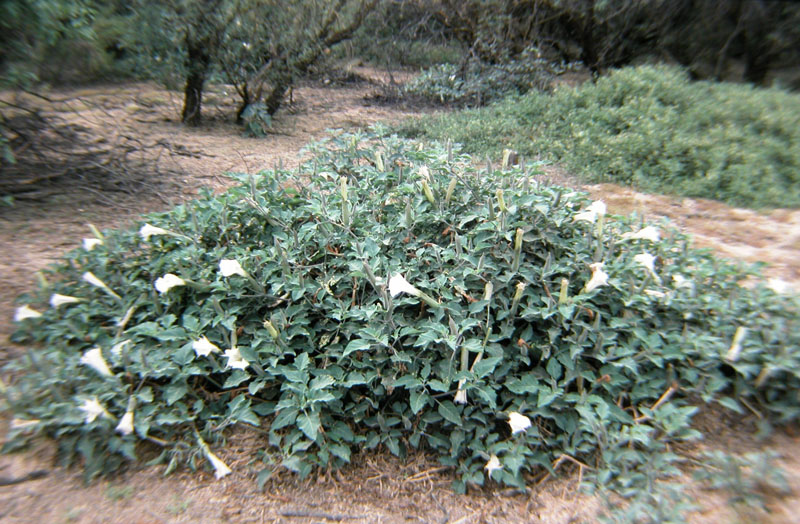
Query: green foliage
657, 503
28, 29
748, 478
324, 352
651, 128
477, 83
257, 120
404, 33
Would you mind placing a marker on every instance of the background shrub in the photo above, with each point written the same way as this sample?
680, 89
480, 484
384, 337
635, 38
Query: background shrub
475, 83
651, 128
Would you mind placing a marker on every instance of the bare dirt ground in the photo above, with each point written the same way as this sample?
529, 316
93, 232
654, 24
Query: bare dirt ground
376, 488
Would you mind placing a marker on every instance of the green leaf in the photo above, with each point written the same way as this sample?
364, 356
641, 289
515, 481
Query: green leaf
418, 399
438, 385
298, 465
554, 368
449, 411
285, 417
262, 477
302, 361
340, 450
240, 411
321, 382
358, 344
486, 366
731, 404
393, 445
309, 424
234, 379
174, 393
546, 397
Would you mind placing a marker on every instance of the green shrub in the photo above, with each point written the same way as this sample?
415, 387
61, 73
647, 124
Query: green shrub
477, 83
651, 128
524, 311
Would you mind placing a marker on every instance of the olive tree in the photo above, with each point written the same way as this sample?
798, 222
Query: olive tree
260, 46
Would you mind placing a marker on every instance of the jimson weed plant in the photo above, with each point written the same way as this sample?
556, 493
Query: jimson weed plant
390, 294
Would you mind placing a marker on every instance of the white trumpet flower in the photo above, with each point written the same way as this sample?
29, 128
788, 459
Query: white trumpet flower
167, 282
25, 312
117, 348
599, 277
93, 280
654, 293
147, 231
518, 422
595, 210
599, 207
461, 396
680, 281
648, 233
648, 261
231, 267
19, 423
94, 359
204, 347
96, 282
125, 425
91, 243
57, 300
235, 359
398, 284
493, 464
779, 286
93, 409
220, 468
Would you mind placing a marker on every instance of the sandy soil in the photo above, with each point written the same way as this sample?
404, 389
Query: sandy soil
376, 488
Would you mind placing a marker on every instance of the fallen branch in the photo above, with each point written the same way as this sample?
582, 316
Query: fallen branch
326, 516
33, 475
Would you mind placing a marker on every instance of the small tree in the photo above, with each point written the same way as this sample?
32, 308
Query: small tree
270, 43
179, 42
260, 46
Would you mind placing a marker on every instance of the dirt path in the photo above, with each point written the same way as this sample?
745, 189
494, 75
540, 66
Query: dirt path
377, 487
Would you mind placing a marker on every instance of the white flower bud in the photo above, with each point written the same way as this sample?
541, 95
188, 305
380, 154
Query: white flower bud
231, 267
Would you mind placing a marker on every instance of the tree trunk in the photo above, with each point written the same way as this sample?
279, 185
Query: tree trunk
198, 62
588, 45
759, 51
276, 95
757, 65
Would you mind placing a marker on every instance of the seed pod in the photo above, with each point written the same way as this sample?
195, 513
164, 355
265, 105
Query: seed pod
428, 193
488, 290
517, 297
345, 213
518, 240
563, 295
450, 188
273, 331
500, 201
